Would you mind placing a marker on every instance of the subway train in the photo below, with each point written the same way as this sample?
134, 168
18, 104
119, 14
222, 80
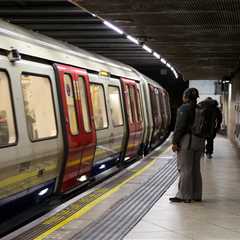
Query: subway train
67, 116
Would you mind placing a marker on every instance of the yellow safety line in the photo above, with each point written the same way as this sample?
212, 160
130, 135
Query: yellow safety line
92, 204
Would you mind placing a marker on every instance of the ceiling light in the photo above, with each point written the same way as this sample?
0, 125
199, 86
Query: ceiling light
116, 29
94, 15
168, 65
156, 55
132, 39
146, 48
175, 74
163, 61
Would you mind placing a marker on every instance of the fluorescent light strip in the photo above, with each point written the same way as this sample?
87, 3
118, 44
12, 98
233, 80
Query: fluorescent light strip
30, 40
168, 65
132, 39
156, 55
116, 29
146, 48
163, 61
175, 74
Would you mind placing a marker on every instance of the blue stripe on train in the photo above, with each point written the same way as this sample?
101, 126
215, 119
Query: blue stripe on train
31, 193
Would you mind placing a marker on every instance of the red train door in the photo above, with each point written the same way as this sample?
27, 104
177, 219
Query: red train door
134, 117
80, 134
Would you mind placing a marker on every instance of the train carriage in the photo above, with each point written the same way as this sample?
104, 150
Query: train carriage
67, 115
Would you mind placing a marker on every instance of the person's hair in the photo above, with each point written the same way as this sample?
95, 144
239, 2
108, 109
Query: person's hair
191, 94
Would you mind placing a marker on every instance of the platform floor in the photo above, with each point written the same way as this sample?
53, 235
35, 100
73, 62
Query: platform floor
217, 217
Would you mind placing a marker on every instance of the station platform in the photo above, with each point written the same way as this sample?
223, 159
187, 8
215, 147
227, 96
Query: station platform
216, 217
134, 204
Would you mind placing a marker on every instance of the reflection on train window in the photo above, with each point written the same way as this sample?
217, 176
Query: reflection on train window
99, 106
39, 108
133, 101
139, 106
80, 92
164, 101
115, 106
7, 128
71, 108
129, 108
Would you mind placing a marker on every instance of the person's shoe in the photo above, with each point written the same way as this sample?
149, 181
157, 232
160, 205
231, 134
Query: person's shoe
209, 156
176, 199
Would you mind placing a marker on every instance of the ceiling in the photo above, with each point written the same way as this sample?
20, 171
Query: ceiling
200, 38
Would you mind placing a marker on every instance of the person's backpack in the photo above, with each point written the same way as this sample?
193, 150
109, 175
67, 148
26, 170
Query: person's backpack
203, 123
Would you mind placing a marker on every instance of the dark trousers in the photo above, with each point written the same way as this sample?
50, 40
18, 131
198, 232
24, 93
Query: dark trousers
210, 143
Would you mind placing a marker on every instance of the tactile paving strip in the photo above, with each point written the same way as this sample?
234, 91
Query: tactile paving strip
117, 222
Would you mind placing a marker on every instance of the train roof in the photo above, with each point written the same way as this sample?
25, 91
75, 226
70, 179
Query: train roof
37, 45
149, 80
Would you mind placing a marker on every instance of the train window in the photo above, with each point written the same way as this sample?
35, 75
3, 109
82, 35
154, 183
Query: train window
115, 106
80, 89
99, 106
158, 101
129, 108
133, 101
39, 108
163, 102
7, 127
71, 107
138, 106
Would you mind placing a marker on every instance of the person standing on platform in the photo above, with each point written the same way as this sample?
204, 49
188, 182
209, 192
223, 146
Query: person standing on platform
215, 120
189, 150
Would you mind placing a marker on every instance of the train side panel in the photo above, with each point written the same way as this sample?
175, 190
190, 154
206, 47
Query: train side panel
32, 162
134, 116
156, 112
150, 124
109, 121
